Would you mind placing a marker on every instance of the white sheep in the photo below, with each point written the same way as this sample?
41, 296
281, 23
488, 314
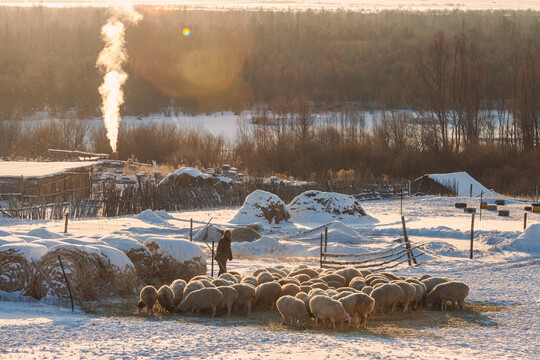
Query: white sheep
292, 309
206, 298
325, 308
148, 298
304, 297
288, 280
246, 296
222, 282
201, 277
431, 282
178, 287
290, 289
264, 277
165, 298
268, 293
348, 273
230, 296
312, 273
334, 278
250, 280
229, 277
367, 290
340, 295
357, 283
387, 296
359, 306
453, 291
390, 275
409, 292
316, 292
192, 286
303, 278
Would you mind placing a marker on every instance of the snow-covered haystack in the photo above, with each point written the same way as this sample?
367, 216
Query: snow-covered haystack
139, 255
262, 205
151, 217
175, 259
185, 177
44, 234
94, 272
208, 233
244, 233
318, 206
528, 241
16, 268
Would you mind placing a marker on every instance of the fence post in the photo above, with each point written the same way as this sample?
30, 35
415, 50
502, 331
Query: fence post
481, 201
321, 252
213, 242
66, 224
472, 236
470, 195
406, 238
401, 201
325, 240
524, 221
191, 230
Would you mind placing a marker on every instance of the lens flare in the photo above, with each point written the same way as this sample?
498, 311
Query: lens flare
186, 32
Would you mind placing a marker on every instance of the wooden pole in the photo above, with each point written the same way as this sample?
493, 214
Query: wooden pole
406, 239
524, 221
66, 224
325, 239
401, 201
481, 201
471, 191
472, 236
321, 251
191, 230
67, 282
213, 242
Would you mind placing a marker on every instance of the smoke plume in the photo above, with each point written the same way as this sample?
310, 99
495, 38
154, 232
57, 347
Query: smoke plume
110, 61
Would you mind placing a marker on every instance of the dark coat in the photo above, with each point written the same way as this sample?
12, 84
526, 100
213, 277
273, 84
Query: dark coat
223, 251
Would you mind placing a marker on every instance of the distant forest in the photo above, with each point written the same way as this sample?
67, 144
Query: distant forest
471, 79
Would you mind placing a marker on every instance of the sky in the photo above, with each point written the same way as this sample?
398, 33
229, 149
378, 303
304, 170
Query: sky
366, 5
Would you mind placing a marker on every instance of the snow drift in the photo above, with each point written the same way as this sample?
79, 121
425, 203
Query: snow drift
262, 206
528, 241
461, 182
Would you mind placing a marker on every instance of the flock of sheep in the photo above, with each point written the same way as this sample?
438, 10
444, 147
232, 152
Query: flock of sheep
327, 295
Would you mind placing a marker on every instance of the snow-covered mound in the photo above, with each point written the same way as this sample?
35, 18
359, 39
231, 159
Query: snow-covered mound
44, 234
318, 206
244, 233
208, 233
176, 259
528, 242
265, 246
29, 251
262, 206
12, 239
151, 217
188, 176
48, 243
122, 243
462, 182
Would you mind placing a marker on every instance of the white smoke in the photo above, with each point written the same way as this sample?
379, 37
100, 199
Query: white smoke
110, 61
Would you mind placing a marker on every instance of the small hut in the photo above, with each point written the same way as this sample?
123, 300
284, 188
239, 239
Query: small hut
450, 184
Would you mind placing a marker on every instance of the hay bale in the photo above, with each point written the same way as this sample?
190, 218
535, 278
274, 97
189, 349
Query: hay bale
95, 272
469, 210
244, 233
500, 202
528, 208
262, 206
139, 255
323, 205
504, 212
175, 259
492, 207
460, 205
208, 233
16, 268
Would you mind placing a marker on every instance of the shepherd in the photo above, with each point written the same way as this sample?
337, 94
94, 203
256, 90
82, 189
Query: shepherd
224, 252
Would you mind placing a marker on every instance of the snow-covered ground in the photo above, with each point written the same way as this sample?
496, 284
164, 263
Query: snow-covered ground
502, 320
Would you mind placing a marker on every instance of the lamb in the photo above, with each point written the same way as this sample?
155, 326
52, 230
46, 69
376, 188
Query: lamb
292, 309
324, 308
148, 298
367, 290
359, 306
267, 293
264, 277
192, 286
206, 298
357, 283
165, 298
387, 296
290, 289
178, 287
335, 278
431, 282
246, 295
453, 291
229, 277
250, 280
230, 296
409, 292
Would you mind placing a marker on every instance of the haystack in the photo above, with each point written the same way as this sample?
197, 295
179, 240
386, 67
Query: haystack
16, 268
139, 255
318, 206
262, 205
175, 259
208, 234
244, 233
95, 272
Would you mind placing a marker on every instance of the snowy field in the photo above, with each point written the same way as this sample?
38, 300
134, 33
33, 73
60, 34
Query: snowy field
501, 321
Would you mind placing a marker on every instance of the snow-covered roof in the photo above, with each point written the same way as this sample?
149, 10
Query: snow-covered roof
39, 169
462, 182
